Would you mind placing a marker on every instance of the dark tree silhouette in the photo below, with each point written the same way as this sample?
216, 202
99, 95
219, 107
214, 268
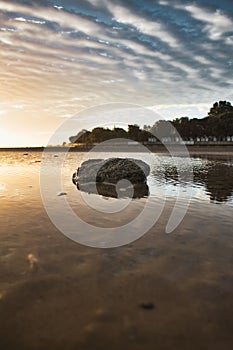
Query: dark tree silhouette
219, 108
218, 125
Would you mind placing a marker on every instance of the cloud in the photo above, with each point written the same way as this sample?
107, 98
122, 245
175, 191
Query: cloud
216, 22
2, 112
143, 25
172, 111
59, 57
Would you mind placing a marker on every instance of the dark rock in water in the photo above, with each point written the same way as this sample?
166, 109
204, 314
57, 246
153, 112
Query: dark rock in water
114, 177
112, 170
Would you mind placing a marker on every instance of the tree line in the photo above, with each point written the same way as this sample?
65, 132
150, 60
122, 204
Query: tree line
100, 134
217, 126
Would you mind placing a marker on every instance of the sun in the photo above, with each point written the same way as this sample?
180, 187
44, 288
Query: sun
5, 137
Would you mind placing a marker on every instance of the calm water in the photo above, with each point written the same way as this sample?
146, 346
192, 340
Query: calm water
56, 294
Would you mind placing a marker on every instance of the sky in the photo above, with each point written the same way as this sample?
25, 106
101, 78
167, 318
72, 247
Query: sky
58, 58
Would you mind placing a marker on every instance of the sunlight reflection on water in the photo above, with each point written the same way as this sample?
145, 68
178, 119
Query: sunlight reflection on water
45, 276
212, 178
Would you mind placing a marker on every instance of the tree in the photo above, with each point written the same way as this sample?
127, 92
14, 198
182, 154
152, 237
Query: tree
134, 131
163, 129
146, 127
219, 108
218, 124
79, 138
120, 133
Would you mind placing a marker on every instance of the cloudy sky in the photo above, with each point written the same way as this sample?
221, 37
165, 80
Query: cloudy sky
59, 57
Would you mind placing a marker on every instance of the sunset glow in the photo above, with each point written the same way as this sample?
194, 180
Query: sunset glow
4, 137
59, 57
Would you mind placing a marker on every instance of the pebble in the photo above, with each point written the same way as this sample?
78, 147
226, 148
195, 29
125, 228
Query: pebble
62, 194
147, 306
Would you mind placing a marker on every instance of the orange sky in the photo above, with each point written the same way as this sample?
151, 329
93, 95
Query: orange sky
58, 58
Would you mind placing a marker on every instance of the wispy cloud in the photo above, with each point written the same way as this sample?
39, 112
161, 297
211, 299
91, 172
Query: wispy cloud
57, 57
2, 112
216, 23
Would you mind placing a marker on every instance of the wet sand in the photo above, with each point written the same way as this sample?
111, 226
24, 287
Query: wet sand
85, 298
163, 291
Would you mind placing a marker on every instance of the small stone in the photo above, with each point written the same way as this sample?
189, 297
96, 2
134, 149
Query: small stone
147, 306
62, 194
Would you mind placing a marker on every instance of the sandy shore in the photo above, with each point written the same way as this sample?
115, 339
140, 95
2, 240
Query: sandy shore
177, 149
162, 291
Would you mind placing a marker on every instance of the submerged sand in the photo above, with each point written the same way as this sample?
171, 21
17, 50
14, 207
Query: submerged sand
163, 291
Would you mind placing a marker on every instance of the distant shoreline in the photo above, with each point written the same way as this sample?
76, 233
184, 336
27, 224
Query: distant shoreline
155, 148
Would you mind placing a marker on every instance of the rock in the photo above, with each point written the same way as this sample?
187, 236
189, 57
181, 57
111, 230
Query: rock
112, 170
147, 306
114, 177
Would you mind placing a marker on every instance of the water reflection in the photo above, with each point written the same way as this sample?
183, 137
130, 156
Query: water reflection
171, 173
112, 292
121, 190
212, 177
218, 180
215, 176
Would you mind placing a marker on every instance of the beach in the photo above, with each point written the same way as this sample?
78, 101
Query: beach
224, 148
116, 175
164, 291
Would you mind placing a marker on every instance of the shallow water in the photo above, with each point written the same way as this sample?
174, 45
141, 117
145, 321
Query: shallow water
78, 297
